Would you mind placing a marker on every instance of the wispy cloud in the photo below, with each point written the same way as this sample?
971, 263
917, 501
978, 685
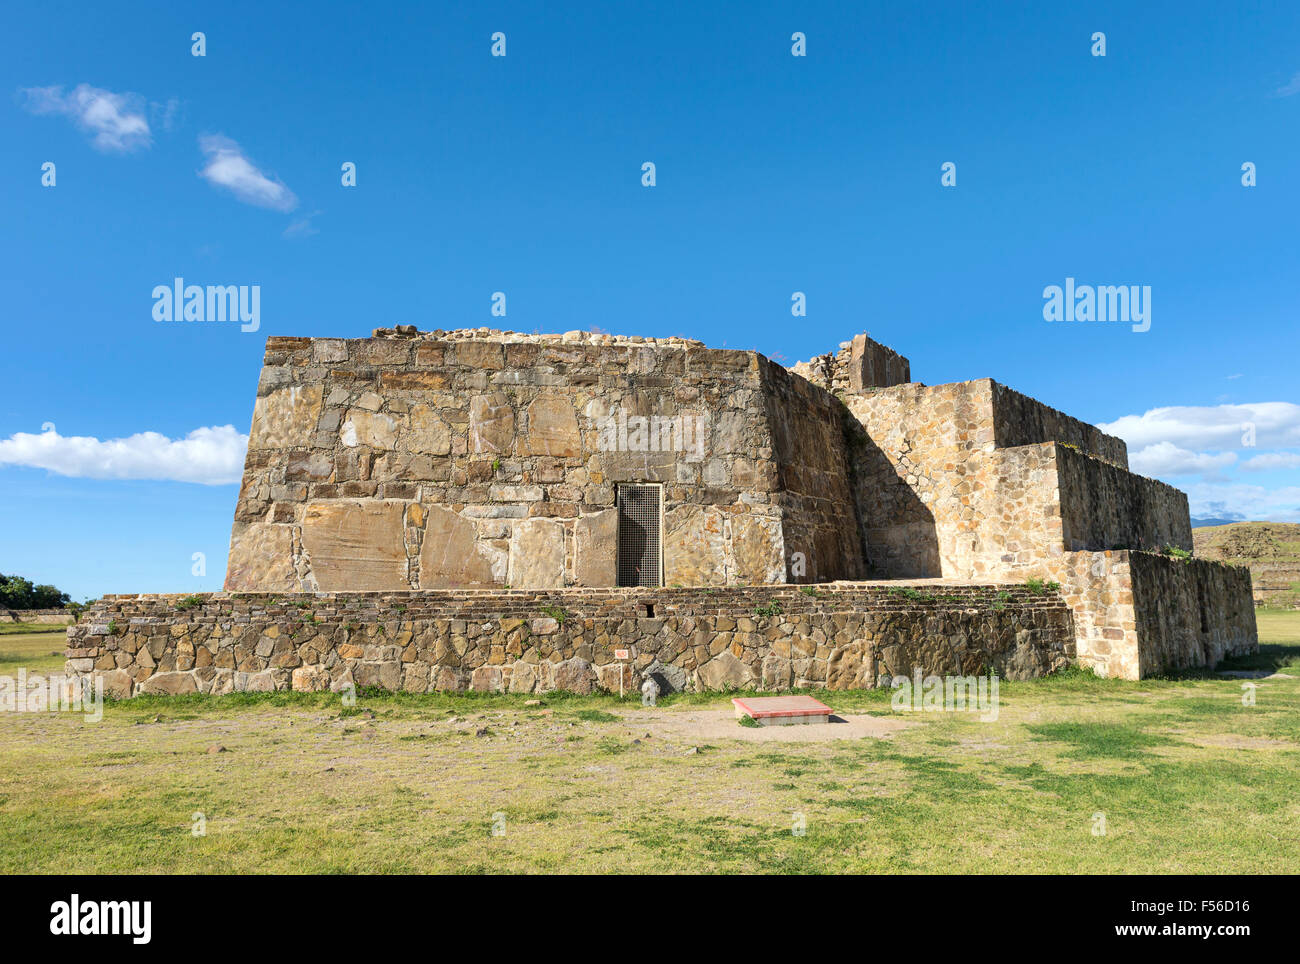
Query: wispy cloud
302, 227
165, 115
1270, 461
115, 122
1290, 88
228, 167
208, 456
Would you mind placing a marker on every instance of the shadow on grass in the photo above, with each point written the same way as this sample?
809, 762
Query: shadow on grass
1115, 741
1272, 657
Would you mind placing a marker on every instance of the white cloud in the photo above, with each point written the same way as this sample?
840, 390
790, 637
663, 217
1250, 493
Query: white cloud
116, 122
1272, 460
1291, 87
227, 167
208, 456
1276, 425
1165, 458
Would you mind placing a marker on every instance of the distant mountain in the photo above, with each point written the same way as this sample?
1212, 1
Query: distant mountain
1206, 523
1270, 549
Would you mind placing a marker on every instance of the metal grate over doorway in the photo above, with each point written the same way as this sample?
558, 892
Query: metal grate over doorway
640, 555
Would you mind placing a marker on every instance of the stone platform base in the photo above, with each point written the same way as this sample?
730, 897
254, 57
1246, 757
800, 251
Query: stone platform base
838, 636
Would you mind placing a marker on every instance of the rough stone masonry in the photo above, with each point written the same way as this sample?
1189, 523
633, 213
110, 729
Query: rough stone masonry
484, 463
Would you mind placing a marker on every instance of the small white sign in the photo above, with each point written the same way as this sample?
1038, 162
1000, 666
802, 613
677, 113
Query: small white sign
620, 654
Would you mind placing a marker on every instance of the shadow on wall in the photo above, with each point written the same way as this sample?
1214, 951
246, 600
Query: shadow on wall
899, 537
812, 481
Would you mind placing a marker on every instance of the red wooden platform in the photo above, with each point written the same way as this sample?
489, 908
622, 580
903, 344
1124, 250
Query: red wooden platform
782, 710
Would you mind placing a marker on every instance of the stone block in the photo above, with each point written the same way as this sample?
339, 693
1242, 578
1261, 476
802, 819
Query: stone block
552, 427
491, 424
596, 548
285, 417
426, 432
536, 558
450, 555
356, 545
261, 559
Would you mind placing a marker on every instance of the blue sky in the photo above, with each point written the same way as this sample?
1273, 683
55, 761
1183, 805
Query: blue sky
522, 174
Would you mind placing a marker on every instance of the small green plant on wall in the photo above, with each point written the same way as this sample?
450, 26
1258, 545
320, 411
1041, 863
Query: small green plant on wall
916, 595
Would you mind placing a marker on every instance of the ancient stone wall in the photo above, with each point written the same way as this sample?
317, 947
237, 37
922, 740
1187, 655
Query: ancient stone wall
1107, 507
1021, 420
917, 456
846, 636
858, 365
45, 617
941, 496
821, 531
483, 459
1190, 612
489, 458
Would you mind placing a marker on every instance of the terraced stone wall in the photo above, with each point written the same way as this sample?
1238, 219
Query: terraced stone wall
1104, 507
845, 636
941, 496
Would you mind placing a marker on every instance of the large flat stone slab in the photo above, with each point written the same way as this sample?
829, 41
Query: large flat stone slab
356, 546
553, 427
694, 547
491, 423
449, 556
285, 417
537, 554
261, 559
596, 548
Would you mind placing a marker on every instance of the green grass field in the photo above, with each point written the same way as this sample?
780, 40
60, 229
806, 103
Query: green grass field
38, 648
1187, 777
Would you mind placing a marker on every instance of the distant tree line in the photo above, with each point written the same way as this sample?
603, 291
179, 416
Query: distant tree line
19, 593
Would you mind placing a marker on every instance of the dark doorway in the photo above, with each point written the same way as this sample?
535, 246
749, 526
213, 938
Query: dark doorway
640, 559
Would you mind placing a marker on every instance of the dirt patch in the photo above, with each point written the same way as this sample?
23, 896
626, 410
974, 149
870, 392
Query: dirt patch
702, 726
